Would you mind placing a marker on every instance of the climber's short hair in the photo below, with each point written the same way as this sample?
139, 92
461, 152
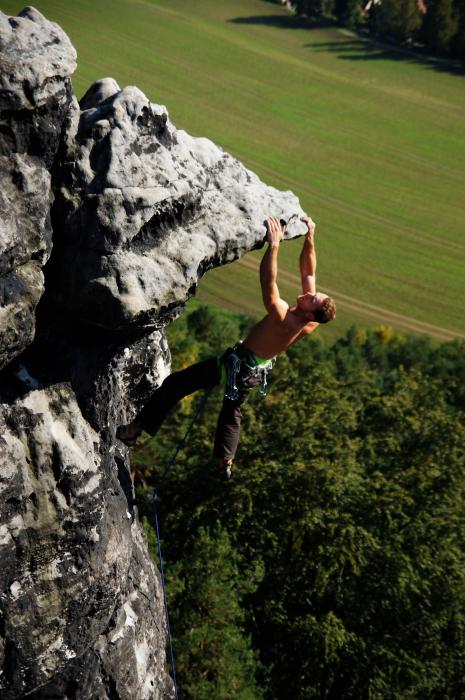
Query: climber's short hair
326, 312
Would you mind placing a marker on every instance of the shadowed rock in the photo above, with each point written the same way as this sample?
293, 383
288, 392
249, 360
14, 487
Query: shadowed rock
36, 60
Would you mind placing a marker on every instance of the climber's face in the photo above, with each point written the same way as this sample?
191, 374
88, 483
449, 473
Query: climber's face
308, 303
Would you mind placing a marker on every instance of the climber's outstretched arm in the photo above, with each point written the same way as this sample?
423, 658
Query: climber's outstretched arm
308, 258
269, 271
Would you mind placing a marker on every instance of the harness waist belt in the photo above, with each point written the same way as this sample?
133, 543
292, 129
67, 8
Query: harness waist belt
244, 370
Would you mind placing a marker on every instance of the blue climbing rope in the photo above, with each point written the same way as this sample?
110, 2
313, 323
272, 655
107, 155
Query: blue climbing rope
155, 491
165, 601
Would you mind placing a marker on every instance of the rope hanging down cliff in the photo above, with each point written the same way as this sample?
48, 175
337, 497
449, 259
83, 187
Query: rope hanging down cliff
198, 414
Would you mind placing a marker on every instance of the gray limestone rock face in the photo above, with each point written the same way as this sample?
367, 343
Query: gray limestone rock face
36, 60
80, 598
146, 209
76, 579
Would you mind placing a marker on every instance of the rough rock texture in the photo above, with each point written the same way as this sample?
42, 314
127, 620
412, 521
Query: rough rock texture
76, 576
148, 209
139, 211
36, 60
81, 608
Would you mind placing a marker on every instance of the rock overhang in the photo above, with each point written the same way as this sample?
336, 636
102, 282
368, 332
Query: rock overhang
148, 209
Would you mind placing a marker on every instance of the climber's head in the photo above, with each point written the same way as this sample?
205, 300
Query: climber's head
317, 307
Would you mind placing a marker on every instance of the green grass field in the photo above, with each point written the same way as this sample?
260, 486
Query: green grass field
371, 140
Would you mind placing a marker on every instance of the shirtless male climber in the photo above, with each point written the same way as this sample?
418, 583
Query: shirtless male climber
246, 364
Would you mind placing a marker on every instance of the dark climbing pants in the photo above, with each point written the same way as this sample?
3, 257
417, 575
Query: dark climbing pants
202, 375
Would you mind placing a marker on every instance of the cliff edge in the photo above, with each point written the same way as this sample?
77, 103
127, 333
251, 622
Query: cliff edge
110, 216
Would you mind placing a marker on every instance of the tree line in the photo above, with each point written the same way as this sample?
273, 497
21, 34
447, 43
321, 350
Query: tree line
332, 564
438, 25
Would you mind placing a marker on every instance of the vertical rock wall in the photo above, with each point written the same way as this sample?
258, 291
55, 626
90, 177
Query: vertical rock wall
36, 61
110, 215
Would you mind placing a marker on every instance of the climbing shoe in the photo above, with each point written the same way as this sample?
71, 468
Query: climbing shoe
225, 468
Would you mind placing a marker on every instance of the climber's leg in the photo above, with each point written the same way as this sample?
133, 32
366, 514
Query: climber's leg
177, 385
228, 430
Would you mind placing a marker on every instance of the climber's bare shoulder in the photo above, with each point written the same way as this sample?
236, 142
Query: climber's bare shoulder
278, 331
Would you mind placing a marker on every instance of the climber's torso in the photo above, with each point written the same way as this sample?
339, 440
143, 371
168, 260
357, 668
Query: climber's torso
273, 334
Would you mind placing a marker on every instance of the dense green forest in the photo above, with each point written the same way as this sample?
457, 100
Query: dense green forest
332, 564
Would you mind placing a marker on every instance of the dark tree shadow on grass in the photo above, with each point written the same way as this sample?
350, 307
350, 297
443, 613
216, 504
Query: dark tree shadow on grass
367, 50
356, 49
283, 21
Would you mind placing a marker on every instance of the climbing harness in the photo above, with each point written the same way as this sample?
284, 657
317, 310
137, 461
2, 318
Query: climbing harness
155, 492
244, 370
233, 365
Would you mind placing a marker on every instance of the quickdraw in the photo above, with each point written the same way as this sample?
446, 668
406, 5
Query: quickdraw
236, 360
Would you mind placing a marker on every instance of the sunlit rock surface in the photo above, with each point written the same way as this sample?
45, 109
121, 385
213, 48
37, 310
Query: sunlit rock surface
110, 215
147, 209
